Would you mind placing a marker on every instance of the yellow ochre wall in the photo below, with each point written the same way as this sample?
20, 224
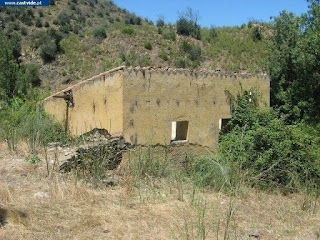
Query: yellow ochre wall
97, 104
142, 103
153, 99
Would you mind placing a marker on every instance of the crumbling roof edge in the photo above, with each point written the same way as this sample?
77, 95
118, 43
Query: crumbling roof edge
82, 82
143, 68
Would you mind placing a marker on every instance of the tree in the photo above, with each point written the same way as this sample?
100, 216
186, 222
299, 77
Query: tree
10, 74
294, 64
256, 34
48, 51
160, 22
187, 24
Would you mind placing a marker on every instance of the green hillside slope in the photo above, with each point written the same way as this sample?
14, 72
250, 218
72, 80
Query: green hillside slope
72, 40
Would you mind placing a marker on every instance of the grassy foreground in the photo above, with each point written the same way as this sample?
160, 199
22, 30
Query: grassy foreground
59, 207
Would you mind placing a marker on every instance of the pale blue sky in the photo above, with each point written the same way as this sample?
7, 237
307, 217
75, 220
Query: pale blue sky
214, 12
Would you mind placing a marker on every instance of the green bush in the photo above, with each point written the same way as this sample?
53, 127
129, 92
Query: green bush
21, 118
213, 32
32, 74
132, 19
38, 22
63, 18
128, 30
100, 33
46, 24
148, 45
14, 26
163, 55
24, 31
76, 29
181, 63
11, 76
144, 60
256, 34
33, 159
160, 23
41, 13
65, 28
266, 151
48, 51
188, 28
110, 19
193, 51
170, 35
207, 172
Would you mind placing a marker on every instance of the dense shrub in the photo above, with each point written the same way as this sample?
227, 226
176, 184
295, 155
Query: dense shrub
10, 73
128, 30
65, 28
256, 34
41, 13
22, 119
213, 32
163, 55
24, 31
32, 74
169, 34
14, 26
181, 63
144, 60
148, 45
188, 28
293, 64
266, 151
100, 33
132, 19
63, 18
192, 50
48, 51
15, 39
207, 172
38, 22
76, 29
160, 23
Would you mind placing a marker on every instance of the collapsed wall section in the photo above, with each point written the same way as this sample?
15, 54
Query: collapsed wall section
157, 102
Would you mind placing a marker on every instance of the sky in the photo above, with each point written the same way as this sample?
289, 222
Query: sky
214, 12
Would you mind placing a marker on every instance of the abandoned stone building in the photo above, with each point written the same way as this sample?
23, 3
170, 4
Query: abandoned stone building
153, 105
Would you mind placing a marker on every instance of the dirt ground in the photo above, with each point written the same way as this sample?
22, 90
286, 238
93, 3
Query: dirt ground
37, 206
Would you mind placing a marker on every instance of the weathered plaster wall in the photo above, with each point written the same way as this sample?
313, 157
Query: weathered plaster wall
97, 104
153, 99
142, 103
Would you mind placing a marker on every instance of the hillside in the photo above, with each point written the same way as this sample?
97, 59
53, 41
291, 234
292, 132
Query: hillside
72, 40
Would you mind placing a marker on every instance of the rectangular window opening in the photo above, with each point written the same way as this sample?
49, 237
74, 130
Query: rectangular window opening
223, 125
179, 131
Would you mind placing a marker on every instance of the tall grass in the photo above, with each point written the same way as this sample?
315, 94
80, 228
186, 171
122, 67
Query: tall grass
24, 120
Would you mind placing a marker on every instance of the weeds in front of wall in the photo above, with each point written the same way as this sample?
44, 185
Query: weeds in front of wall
311, 194
230, 213
33, 159
11, 137
200, 222
196, 224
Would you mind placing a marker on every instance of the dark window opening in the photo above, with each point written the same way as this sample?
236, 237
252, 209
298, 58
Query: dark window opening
223, 125
179, 130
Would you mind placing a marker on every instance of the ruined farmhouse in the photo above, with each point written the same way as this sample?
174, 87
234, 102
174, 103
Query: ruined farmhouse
153, 105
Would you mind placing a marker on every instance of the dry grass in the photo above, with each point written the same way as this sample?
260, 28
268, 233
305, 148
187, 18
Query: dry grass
151, 211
